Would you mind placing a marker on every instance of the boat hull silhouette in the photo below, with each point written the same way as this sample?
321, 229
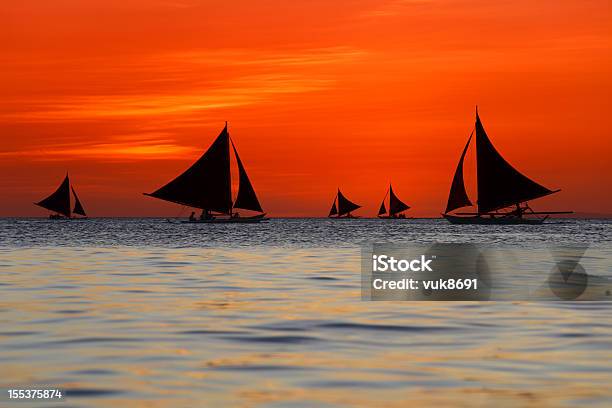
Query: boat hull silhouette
59, 217
501, 219
232, 220
345, 217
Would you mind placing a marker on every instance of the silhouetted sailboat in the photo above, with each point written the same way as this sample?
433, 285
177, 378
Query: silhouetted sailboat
342, 207
207, 185
59, 202
396, 206
500, 186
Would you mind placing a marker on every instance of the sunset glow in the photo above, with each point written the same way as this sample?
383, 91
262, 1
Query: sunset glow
318, 95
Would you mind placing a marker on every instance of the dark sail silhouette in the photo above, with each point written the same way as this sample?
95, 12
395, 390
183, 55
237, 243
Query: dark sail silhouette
59, 200
334, 209
246, 199
458, 196
396, 206
342, 206
78, 207
207, 184
345, 205
499, 186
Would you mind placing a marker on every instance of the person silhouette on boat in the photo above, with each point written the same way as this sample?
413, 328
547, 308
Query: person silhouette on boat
519, 211
192, 216
206, 215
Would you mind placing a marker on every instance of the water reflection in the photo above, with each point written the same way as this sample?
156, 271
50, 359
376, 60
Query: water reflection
167, 327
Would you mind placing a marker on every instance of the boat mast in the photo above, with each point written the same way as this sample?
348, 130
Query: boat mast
383, 201
475, 126
230, 172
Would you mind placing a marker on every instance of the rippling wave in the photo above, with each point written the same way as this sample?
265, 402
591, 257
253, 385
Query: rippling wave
146, 313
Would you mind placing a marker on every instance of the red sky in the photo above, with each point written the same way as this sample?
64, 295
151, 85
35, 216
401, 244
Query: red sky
319, 94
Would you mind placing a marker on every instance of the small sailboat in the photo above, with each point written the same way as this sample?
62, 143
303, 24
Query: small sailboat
59, 202
207, 185
396, 206
503, 191
342, 207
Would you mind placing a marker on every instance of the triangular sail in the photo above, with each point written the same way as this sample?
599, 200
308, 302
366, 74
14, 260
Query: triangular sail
59, 201
334, 209
246, 198
78, 207
396, 205
207, 183
382, 210
345, 206
499, 184
458, 197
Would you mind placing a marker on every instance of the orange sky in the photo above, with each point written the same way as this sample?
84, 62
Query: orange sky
319, 94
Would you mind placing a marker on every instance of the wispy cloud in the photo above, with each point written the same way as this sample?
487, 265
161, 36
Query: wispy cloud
248, 77
253, 57
246, 90
394, 8
119, 148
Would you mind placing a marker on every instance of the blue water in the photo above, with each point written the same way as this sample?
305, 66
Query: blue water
143, 312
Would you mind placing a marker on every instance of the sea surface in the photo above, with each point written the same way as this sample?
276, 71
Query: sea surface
151, 313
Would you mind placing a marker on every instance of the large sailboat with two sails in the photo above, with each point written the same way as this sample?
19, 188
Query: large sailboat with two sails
60, 205
207, 186
503, 192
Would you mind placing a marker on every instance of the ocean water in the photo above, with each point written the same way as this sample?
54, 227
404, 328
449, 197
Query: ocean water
149, 313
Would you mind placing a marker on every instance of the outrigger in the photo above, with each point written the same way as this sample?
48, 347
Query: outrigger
503, 192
